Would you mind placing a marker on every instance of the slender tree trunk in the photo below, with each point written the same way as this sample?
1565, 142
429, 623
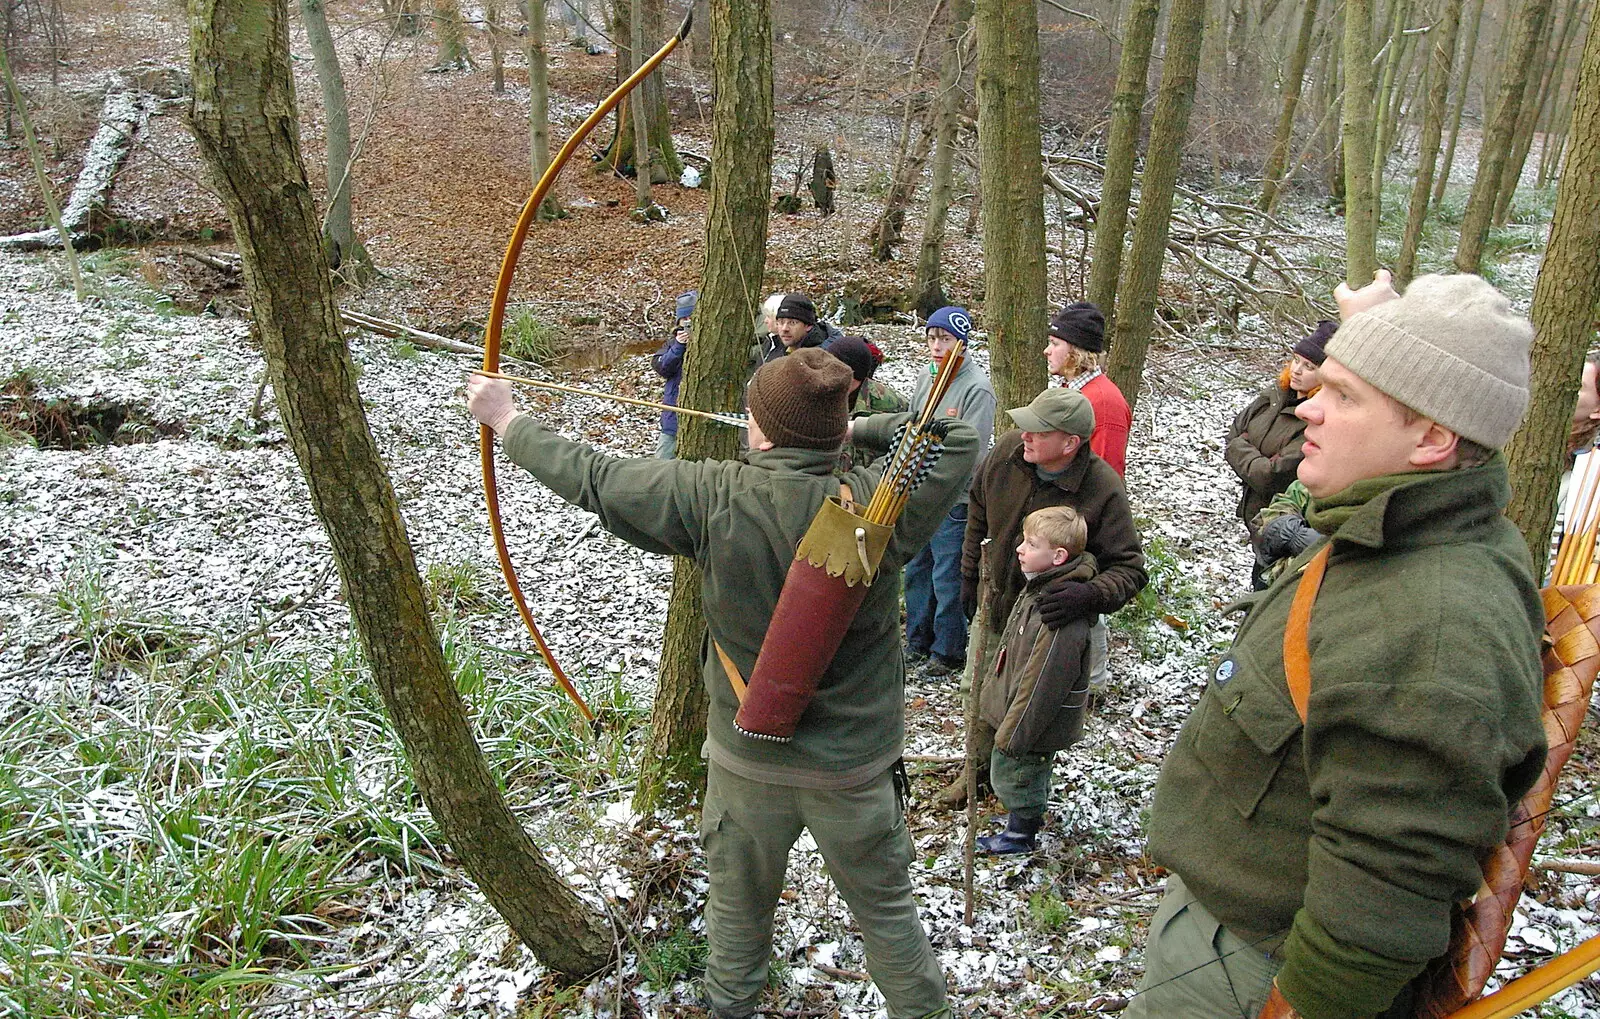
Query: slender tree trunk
37, 159
636, 103
927, 290
451, 40
1468, 51
1012, 166
349, 255
1294, 81
497, 57
1438, 81
1141, 277
1555, 58
536, 53
1122, 149
665, 163
889, 230
1564, 301
243, 116
1525, 34
714, 369
1393, 53
1360, 202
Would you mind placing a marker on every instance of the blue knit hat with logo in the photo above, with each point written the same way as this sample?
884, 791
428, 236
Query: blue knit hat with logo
686, 303
952, 320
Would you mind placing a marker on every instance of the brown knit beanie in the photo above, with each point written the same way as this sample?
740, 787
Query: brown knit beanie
1451, 349
800, 399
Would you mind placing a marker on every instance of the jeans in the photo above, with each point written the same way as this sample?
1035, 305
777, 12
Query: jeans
935, 621
748, 828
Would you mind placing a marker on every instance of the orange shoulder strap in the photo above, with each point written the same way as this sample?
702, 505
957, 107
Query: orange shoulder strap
1296, 649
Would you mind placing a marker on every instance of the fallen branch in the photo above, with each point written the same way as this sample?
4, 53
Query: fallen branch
399, 331
227, 265
256, 631
1588, 868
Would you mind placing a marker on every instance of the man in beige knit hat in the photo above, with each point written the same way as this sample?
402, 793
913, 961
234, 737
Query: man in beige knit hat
740, 521
1316, 840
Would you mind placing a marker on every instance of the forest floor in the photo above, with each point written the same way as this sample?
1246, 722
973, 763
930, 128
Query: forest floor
204, 808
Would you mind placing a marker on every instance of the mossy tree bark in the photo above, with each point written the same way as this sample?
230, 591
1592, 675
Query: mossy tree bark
1469, 50
449, 37
1011, 164
350, 256
1535, 104
1525, 33
889, 230
927, 287
1442, 51
665, 164
1141, 277
1564, 300
670, 772
638, 116
243, 116
536, 53
1293, 82
1356, 132
1122, 149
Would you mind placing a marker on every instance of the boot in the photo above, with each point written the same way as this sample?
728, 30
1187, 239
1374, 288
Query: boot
1017, 838
954, 795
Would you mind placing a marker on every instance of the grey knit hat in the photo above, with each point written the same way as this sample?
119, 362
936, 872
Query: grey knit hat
1451, 349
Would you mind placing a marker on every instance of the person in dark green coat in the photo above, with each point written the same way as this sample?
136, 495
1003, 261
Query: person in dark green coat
1314, 864
741, 522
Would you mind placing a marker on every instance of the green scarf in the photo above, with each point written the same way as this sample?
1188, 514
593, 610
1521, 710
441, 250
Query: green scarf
1330, 514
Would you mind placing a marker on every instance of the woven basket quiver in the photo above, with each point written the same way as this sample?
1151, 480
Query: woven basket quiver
836, 562
1478, 928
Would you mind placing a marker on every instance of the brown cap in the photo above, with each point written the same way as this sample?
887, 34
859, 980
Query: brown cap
801, 399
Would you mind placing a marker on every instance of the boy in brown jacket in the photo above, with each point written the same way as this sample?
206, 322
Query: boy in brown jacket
1035, 699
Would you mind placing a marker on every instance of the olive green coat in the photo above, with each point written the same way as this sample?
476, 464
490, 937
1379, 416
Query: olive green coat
1361, 829
741, 522
1264, 449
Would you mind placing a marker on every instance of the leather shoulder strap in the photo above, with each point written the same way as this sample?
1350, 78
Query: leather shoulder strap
1296, 649
734, 679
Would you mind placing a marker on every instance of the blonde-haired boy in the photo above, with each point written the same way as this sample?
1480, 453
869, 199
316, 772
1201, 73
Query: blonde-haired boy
1036, 697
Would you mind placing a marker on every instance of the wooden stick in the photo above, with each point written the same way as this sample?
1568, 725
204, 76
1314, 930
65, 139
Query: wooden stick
727, 419
980, 631
1590, 868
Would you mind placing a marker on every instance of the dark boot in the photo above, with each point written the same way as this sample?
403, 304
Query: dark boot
954, 795
1017, 838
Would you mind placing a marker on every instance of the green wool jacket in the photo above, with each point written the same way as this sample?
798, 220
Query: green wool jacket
1353, 835
741, 522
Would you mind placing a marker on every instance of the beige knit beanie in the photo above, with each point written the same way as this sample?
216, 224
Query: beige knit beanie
801, 399
1451, 349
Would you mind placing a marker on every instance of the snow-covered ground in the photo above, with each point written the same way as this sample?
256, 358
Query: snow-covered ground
206, 530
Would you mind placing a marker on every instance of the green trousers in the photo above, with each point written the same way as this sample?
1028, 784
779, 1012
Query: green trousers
747, 829
1195, 968
1021, 782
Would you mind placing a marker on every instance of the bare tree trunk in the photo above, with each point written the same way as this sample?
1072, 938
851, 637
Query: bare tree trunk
1438, 79
1525, 34
244, 119
536, 53
927, 290
1564, 300
37, 159
1122, 149
665, 163
889, 230
1468, 51
1141, 277
348, 255
451, 53
1394, 53
1360, 203
636, 103
497, 57
714, 369
1294, 81
1555, 58
1012, 168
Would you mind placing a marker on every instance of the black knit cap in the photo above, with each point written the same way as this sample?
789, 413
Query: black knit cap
1081, 325
1312, 347
797, 307
853, 351
802, 399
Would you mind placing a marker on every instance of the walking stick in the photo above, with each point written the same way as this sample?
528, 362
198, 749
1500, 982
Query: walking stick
975, 669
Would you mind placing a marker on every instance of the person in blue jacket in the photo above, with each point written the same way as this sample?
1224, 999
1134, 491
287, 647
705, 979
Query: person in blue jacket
668, 363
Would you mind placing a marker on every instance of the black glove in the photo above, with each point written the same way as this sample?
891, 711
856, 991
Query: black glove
969, 597
1065, 601
1286, 537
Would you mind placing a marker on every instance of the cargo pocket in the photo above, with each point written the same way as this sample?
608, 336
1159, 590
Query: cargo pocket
1242, 736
